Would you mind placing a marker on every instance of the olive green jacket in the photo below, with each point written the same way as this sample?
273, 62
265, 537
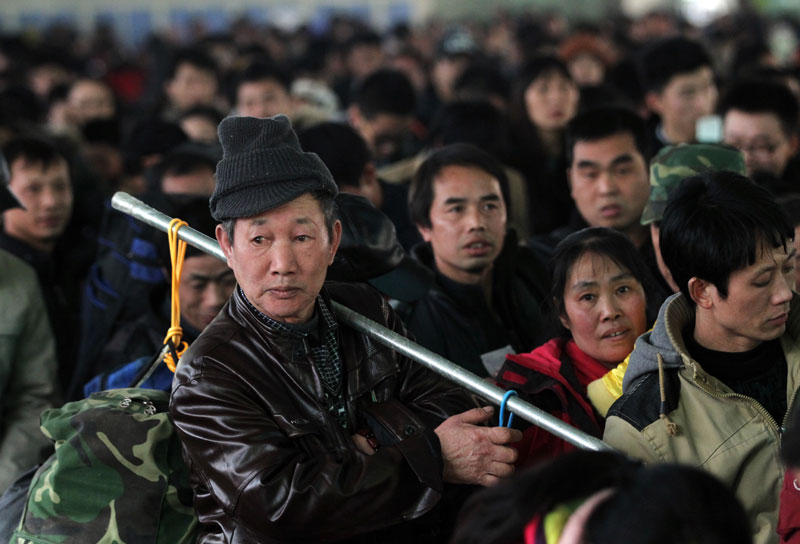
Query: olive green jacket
27, 368
688, 416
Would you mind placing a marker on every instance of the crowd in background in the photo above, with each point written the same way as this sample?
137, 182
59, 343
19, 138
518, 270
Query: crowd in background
83, 116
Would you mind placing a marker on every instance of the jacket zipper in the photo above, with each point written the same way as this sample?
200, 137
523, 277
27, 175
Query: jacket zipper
755, 403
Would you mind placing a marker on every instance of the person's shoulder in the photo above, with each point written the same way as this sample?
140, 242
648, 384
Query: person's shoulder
15, 267
220, 341
18, 281
641, 403
359, 297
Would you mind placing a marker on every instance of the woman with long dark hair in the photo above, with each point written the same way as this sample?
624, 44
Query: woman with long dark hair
545, 100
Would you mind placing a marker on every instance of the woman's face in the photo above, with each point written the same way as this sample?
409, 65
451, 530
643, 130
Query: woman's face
604, 308
551, 101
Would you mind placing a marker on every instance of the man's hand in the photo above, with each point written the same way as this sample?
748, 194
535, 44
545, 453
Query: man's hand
362, 444
473, 454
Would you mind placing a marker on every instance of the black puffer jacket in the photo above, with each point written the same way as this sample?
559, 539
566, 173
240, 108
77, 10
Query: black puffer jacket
269, 464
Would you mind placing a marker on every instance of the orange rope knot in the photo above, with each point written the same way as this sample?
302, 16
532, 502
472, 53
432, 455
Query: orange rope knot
177, 251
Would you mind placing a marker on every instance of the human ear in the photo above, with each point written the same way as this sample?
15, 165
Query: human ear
702, 292
224, 242
425, 232
335, 239
653, 101
562, 317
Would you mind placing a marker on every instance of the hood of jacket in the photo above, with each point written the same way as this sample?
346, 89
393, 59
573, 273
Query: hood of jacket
664, 339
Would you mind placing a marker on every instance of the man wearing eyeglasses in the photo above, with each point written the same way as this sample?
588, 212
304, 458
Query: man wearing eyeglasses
760, 118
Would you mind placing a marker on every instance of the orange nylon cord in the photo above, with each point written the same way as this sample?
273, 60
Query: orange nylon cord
177, 250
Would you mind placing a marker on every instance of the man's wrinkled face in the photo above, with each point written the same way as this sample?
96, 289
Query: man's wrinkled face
206, 284
263, 98
46, 194
468, 223
280, 257
761, 139
609, 181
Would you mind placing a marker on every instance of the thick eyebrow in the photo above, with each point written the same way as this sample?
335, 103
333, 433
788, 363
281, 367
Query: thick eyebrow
626, 157
616, 161
492, 197
305, 220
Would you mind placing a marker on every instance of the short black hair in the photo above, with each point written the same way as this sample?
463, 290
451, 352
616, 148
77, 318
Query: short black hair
149, 136
481, 80
259, 71
34, 151
791, 205
181, 162
367, 38
648, 504
193, 56
385, 91
716, 223
748, 56
600, 241
208, 112
598, 123
671, 57
475, 122
340, 147
420, 194
760, 96
192, 209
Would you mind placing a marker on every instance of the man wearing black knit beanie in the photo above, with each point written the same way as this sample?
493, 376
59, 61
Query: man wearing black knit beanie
295, 427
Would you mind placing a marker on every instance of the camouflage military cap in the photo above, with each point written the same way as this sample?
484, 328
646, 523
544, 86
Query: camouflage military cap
675, 162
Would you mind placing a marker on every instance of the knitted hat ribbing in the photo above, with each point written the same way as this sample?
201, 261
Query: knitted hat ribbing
263, 167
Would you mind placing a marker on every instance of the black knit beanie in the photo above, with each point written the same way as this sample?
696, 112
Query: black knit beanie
263, 167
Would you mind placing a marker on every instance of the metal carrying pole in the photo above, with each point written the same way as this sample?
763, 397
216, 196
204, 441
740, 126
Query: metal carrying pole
144, 213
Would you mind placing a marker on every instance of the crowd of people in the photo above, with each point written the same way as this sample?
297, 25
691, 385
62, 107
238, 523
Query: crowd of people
602, 217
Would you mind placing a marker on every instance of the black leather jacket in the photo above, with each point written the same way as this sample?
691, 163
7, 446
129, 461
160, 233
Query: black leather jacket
269, 464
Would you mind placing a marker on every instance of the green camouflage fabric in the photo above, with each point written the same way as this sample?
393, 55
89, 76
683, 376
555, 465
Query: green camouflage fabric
675, 162
116, 477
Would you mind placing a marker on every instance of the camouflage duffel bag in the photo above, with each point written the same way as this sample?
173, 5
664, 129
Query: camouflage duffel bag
116, 477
